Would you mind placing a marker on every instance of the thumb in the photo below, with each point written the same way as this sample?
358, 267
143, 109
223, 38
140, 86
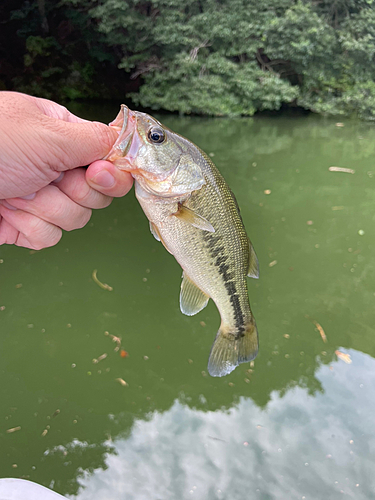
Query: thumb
80, 144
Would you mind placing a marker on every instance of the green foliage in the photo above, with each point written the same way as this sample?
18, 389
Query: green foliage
213, 85
213, 57
64, 56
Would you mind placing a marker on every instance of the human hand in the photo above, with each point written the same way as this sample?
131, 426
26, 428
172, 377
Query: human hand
41, 189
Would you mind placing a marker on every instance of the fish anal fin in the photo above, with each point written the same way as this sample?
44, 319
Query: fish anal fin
253, 270
192, 299
231, 349
154, 231
187, 215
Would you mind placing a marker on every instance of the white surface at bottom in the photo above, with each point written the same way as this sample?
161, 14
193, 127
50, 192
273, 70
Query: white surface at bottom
20, 489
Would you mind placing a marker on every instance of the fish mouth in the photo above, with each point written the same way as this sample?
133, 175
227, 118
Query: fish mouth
125, 149
129, 146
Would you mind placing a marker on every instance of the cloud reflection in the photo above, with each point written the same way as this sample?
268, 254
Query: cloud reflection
298, 447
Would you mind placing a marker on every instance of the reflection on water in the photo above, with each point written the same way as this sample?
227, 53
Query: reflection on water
172, 427
298, 447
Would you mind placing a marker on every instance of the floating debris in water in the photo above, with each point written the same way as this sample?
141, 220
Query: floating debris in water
44, 433
309, 222
100, 358
216, 439
123, 353
102, 285
267, 191
114, 339
273, 263
361, 232
344, 357
14, 429
56, 413
319, 328
340, 207
19, 285
122, 382
339, 124
341, 169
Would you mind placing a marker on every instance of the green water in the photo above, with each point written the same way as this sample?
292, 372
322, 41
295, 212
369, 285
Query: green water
299, 424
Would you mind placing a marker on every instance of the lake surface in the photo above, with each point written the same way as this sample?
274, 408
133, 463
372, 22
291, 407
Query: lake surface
296, 424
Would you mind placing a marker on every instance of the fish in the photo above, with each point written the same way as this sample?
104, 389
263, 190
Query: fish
194, 214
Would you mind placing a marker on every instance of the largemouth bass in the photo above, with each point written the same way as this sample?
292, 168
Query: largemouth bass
193, 212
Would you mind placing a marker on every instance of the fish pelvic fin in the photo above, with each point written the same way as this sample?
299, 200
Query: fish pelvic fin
230, 349
253, 270
154, 231
192, 299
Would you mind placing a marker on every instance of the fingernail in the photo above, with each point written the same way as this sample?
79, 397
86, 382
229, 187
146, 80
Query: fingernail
104, 179
8, 205
28, 196
60, 177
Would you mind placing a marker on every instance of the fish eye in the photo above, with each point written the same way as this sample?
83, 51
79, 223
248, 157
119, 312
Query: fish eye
156, 135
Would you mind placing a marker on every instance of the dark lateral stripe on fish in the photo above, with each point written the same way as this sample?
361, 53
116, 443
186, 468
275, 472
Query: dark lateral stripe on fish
229, 284
238, 315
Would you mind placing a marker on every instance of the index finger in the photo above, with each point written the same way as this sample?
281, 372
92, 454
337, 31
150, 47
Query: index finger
54, 110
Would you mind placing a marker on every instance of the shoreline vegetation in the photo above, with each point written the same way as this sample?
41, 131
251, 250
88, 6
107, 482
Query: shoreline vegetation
205, 57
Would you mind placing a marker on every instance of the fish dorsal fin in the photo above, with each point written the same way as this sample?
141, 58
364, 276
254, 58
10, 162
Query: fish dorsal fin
253, 271
192, 299
154, 231
187, 215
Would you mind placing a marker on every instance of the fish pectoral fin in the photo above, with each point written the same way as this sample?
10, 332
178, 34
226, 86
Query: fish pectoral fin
253, 270
187, 215
154, 231
231, 349
192, 299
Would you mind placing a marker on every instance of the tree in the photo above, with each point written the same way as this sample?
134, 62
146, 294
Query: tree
212, 57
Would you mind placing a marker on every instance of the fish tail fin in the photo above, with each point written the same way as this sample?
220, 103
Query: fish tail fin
232, 348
